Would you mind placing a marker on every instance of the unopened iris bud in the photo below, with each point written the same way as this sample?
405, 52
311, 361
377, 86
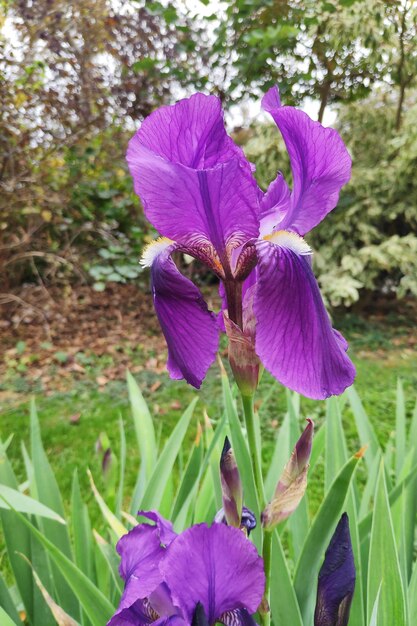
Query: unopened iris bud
292, 484
336, 579
232, 490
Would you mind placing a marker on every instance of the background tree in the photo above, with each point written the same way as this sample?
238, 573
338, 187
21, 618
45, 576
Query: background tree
76, 79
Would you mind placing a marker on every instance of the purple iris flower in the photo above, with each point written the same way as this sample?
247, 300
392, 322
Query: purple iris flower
198, 191
201, 576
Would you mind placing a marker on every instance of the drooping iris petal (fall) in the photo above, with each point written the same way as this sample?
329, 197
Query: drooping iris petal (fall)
190, 329
294, 337
336, 579
320, 165
218, 567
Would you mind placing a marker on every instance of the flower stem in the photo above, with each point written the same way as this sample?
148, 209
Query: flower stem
266, 554
249, 414
248, 411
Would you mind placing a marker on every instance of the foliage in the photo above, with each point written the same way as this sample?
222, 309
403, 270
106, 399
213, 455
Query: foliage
76, 78
77, 566
368, 243
331, 51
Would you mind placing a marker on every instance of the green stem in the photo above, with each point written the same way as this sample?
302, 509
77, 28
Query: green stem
266, 554
248, 411
253, 448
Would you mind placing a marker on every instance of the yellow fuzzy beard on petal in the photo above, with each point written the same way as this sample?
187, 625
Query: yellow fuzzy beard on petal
153, 250
289, 240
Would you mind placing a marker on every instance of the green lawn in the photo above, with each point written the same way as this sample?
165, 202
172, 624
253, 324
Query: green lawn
379, 349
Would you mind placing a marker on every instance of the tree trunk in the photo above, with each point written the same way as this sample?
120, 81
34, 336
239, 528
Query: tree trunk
324, 93
398, 117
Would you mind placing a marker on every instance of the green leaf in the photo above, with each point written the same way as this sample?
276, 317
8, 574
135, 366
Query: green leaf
279, 457
189, 477
319, 443
288, 612
412, 596
384, 568
5, 620
113, 561
318, 538
144, 429
163, 468
81, 530
96, 605
394, 494
17, 539
25, 504
374, 617
115, 524
336, 450
120, 489
7, 603
400, 430
144, 64
47, 492
365, 429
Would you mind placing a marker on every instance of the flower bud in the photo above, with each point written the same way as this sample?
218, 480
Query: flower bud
243, 359
232, 490
292, 484
336, 579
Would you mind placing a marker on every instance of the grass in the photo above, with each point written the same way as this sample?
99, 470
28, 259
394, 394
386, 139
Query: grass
377, 349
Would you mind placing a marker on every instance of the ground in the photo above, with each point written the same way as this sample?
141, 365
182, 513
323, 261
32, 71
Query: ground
73, 358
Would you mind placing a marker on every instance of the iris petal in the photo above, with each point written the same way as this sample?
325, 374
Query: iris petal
196, 186
320, 165
294, 337
141, 553
190, 329
216, 566
190, 132
274, 204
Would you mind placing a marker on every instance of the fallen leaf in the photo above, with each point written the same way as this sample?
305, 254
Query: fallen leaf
74, 419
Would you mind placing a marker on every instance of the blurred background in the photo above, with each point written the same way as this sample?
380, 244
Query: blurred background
78, 77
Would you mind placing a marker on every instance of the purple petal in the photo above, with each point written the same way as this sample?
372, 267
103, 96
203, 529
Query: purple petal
294, 338
320, 165
190, 329
164, 527
274, 204
216, 566
195, 184
190, 132
137, 615
336, 579
141, 551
